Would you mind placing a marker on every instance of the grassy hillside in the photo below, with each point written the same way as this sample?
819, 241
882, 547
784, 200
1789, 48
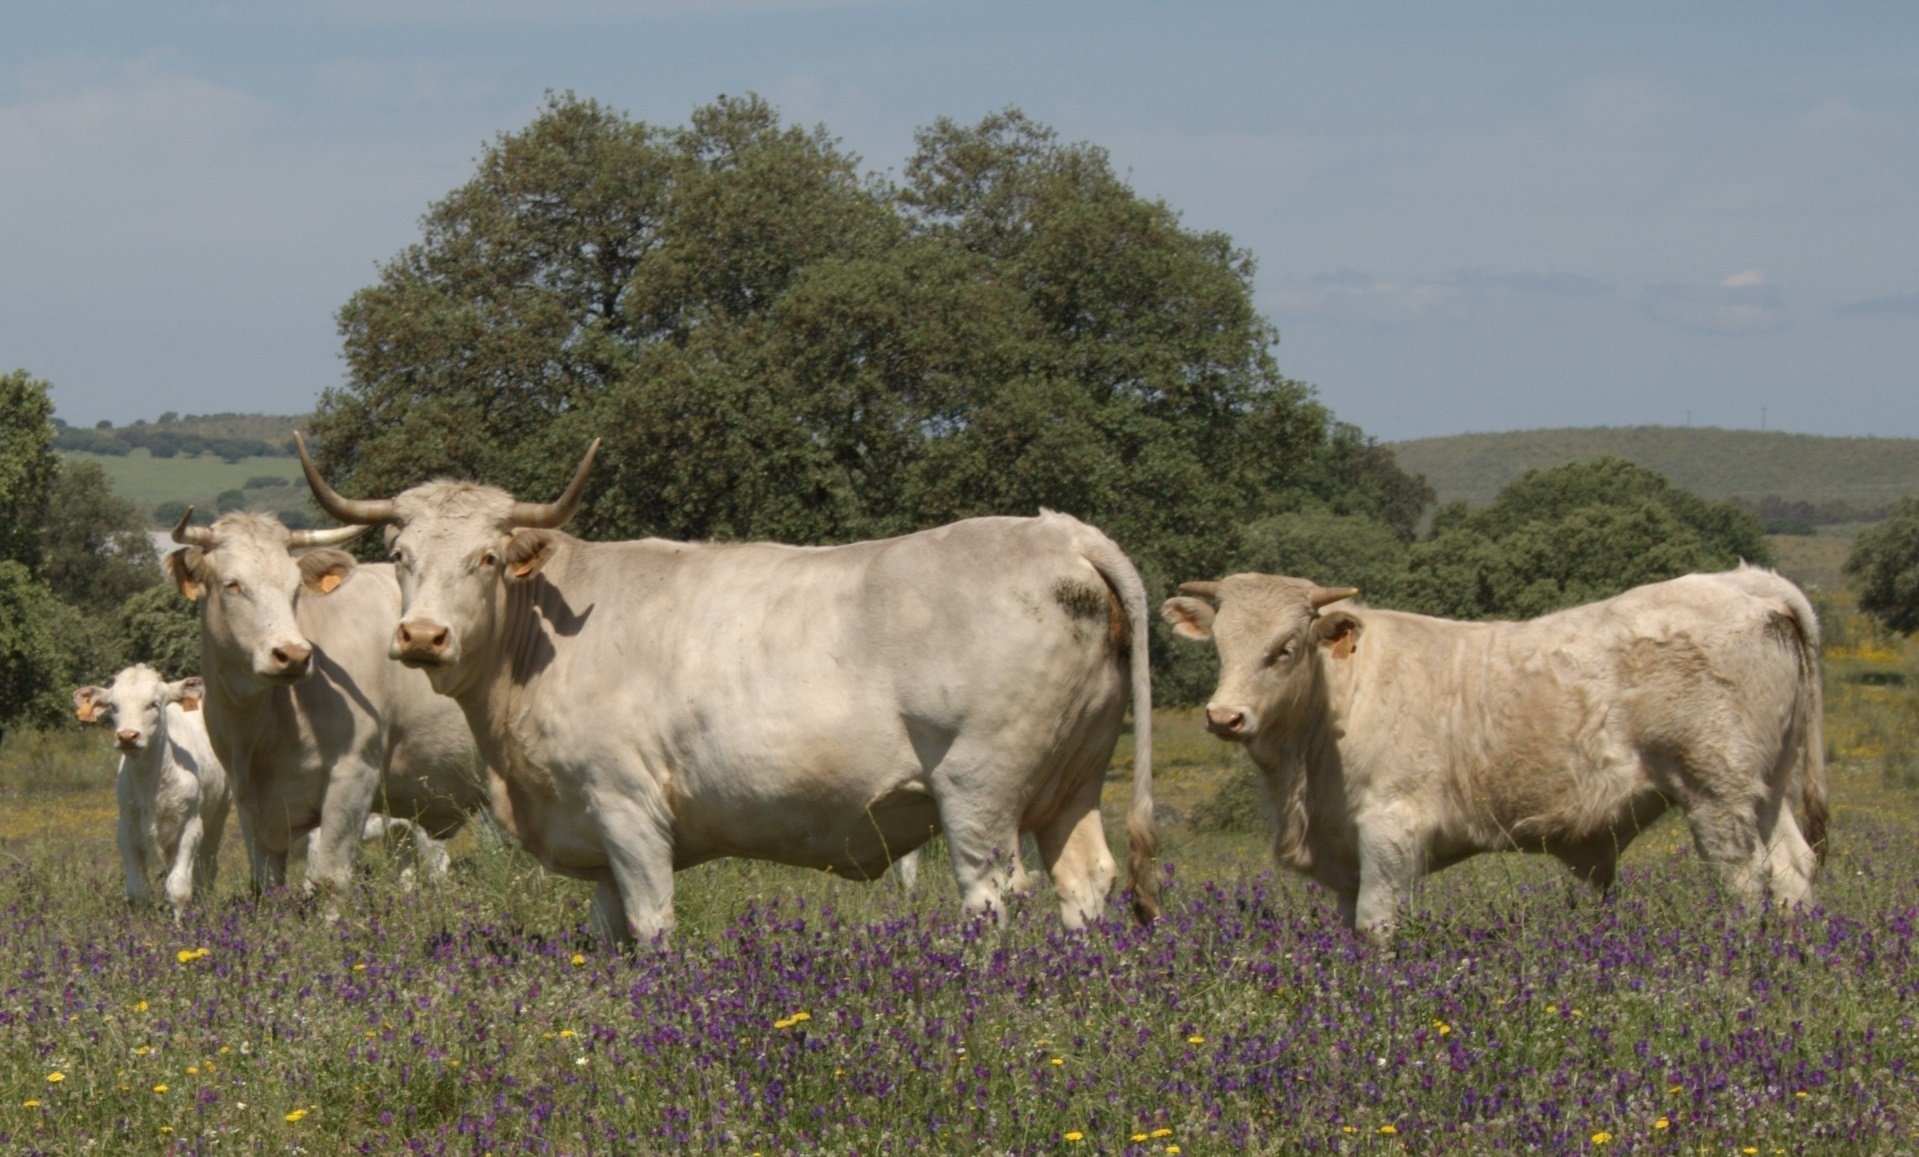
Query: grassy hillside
1709, 461
147, 481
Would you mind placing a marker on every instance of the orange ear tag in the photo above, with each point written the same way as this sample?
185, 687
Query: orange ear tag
329, 583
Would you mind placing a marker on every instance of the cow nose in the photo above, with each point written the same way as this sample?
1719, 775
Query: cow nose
127, 738
421, 639
1225, 721
291, 658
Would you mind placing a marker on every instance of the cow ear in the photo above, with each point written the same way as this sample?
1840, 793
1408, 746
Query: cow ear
188, 692
88, 703
322, 571
188, 569
527, 551
1338, 633
1191, 618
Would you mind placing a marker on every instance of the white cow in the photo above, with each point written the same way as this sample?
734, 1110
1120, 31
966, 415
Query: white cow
316, 725
1392, 744
652, 705
171, 789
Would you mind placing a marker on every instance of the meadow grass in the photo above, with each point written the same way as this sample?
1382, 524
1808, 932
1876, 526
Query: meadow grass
797, 1013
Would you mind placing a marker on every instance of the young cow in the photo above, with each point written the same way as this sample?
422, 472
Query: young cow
1393, 744
172, 790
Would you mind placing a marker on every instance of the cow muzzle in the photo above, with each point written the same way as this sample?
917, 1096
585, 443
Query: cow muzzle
1233, 723
422, 643
286, 663
129, 740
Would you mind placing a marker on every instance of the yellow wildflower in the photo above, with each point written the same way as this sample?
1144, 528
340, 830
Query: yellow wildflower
1136, 1136
1075, 1135
139, 1006
1195, 1039
1662, 1123
30, 1103
1057, 1061
359, 966
1172, 1148
567, 1034
1601, 1137
159, 1088
296, 1115
1162, 1132
142, 1050
578, 960
1388, 1130
55, 1078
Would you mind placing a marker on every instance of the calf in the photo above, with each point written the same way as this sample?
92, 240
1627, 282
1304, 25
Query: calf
171, 788
1391, 744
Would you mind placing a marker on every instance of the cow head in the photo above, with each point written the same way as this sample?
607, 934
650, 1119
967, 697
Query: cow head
135, 705
1270, 633
458, 549
251, 571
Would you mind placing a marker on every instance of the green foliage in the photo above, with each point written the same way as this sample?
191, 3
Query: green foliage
97, 553
161, 628
774, 347
47, 648
1884, 568
27, 466
1570, 535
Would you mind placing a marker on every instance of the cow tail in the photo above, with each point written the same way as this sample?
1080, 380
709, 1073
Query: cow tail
1141, 840
1812, 754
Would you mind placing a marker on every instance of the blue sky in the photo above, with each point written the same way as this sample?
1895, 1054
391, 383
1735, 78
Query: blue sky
1466, 216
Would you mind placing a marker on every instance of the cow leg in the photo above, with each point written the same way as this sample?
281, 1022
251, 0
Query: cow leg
1391, 859
206, 861
133, 860
1073, 848
1791, 861
334, 846
983, 841
1727, 838
634, 901
180, 877
1596, 862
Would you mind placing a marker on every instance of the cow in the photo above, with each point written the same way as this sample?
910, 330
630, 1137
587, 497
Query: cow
651, 705
315, 724
1389, 745
171, 789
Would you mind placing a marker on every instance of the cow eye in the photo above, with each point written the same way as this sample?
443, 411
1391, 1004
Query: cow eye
1282, 651
489, 559
232, 586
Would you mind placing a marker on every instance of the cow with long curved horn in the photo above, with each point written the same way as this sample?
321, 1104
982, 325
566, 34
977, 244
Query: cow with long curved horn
309, 716
652, 705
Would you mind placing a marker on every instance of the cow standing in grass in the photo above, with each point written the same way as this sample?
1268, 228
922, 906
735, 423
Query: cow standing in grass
653, 705
315, 724
1391, 744
171, 788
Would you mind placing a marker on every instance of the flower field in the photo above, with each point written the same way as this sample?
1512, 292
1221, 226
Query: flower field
795, 1013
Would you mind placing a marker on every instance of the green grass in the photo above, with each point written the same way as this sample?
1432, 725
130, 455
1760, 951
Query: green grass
146, 481
1513, 1013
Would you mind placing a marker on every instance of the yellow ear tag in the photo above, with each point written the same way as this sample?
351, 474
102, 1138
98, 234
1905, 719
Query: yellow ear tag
328, 583
190, 703
86, 712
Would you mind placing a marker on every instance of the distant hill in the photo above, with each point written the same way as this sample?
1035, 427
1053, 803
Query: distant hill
1866, 473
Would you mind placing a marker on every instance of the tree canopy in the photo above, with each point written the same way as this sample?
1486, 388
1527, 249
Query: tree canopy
1572, 534
1884, 568
776, 346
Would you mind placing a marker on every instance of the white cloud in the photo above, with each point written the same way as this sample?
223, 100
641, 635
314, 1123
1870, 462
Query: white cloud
1743, 303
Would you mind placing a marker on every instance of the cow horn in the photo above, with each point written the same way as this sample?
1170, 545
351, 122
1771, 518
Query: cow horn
191, 535
1321, 596
331, 537
547, 515
360, 511
1208, 591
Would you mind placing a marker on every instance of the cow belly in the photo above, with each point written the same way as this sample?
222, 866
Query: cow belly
846, 837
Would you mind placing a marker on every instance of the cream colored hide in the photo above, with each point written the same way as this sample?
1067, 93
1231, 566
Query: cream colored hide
652, 705
315, 724
1390, 745
171, 788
